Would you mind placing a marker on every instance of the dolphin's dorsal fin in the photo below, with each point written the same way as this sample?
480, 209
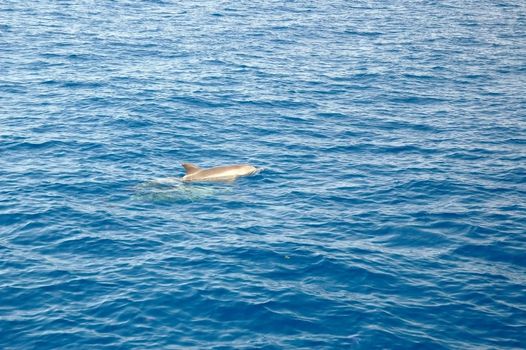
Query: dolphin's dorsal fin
190, 168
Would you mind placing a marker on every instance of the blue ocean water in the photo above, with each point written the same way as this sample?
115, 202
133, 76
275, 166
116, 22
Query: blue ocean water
391, 213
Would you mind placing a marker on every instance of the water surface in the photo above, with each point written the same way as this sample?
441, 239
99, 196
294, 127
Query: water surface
391, 213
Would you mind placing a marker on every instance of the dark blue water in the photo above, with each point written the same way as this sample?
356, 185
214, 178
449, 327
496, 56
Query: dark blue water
391, 213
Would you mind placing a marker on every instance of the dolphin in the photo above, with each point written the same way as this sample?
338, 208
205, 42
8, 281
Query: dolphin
222, 173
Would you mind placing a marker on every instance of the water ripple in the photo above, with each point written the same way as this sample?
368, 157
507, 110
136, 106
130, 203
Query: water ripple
390, 213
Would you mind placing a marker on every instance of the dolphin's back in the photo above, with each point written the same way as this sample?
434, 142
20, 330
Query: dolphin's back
221, 173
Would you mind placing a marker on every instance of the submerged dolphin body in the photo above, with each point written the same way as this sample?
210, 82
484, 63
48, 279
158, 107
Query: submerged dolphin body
221, 173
